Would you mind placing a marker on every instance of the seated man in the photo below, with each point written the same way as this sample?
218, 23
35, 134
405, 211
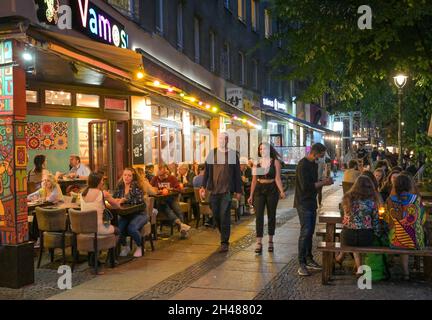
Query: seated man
185, 175
78, 170
352, 173
170, 206
149, 171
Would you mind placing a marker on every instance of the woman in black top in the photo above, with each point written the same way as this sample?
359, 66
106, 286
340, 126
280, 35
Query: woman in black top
266, 189
129, 192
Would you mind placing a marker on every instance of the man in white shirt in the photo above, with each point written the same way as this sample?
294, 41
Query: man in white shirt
78, 170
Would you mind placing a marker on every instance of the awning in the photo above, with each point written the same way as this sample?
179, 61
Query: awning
290, 118
117, 61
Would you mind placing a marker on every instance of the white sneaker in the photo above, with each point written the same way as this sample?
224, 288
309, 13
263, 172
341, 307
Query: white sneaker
124, 251
138, 252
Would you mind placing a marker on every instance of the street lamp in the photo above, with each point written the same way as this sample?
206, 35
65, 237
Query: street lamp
400, 81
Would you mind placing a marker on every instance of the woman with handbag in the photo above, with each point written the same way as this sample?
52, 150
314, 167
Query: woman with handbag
128, 191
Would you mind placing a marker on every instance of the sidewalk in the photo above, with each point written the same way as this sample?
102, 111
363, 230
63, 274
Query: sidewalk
192, 268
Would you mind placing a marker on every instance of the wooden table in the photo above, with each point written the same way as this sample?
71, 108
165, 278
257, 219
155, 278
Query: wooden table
31, 206
330, 219
126, 209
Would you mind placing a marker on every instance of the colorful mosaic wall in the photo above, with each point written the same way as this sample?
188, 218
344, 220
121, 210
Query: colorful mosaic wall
13, 156
47, 135
6, 78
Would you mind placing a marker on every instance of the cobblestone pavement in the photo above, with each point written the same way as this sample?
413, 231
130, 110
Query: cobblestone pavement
287, 285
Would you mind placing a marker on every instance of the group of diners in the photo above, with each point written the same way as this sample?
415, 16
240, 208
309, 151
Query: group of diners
382, 208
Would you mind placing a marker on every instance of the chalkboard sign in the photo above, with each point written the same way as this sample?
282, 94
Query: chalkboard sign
138, 142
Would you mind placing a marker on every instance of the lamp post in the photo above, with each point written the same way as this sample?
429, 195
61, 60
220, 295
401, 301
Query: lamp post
400, 81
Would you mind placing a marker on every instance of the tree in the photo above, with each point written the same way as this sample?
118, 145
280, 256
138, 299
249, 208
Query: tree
323, 45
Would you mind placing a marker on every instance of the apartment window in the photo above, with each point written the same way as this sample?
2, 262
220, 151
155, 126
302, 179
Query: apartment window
241, 61
159, 16
123, 5
241, 8
255, 74
180, 26
226, 70
197, 39
268, 23
254, 14
212, 52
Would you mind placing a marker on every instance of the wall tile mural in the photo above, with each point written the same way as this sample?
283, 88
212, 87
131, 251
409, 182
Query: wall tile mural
47, 135
6, 78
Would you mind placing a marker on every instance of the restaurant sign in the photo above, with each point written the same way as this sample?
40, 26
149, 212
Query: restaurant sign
84, 17
234, 96
275, 104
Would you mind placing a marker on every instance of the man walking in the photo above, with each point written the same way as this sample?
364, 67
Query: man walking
305, 200
222, 178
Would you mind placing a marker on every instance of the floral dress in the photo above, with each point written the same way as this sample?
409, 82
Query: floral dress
363, 214
405, 217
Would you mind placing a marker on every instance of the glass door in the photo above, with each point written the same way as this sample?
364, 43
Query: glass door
98, 145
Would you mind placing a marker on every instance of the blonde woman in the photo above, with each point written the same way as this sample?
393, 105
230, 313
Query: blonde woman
50, 191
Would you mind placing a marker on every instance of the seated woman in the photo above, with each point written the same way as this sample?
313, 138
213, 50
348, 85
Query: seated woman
50, 191
388, 185
92, 198
129, 192
361, 219
405, 217
35, 175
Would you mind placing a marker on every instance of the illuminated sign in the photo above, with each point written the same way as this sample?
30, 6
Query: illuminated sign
275, 104
48, 11
97, 24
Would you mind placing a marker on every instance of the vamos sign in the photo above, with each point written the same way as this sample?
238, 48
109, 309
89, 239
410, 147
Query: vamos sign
85, 17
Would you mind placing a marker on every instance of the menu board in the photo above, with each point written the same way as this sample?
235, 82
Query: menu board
138, 142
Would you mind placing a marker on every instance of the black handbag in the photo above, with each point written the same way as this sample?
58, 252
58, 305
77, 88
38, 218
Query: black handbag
107, 215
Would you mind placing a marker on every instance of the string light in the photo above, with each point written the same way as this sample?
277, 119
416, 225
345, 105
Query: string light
156, 83
207, 106
215, 109
182, 95
170, 89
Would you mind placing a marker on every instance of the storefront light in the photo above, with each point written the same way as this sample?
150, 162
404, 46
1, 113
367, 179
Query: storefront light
170, 89
207, 106
214, 109
140, 75
182, 95
156, 83
200, 103
27, 56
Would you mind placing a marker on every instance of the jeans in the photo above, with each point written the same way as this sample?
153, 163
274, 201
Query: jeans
132, 225
172, 209
266, 195
307, 216
220, 205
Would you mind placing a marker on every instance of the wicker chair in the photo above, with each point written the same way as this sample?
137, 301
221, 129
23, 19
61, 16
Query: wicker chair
52, 225
84, 227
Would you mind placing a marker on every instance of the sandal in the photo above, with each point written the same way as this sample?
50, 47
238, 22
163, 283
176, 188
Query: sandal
258, 248
270, 246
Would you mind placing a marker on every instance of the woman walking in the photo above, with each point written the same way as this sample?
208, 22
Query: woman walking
266, 189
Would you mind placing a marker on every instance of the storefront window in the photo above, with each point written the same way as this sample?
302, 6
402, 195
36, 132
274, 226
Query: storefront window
201, 146
155, 111
171, 145
87, 100
31, 96
178, 116
155, 144
58, 97
115, 104
163, 112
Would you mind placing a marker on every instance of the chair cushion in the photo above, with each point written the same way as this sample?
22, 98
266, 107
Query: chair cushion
146, 230
184, 206
85, 242
54, 239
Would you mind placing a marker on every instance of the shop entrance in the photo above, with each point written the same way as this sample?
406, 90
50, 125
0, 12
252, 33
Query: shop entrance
108, 148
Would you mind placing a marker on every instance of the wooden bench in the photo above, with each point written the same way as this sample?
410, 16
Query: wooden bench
322, 233
332, 247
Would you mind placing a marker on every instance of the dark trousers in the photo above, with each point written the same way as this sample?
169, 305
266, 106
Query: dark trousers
307, 216
132, 225
265, 195
220, 205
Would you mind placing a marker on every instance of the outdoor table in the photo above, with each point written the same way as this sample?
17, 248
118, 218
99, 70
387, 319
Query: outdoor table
330, 219
65, 183
426, 195
126, 209
31, 206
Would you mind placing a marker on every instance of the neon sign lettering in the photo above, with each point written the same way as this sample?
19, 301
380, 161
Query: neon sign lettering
98, 25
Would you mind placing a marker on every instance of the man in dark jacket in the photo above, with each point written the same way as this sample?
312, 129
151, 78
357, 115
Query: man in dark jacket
222, 178
305, 201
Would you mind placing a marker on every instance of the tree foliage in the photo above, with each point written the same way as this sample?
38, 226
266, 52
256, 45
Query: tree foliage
323, 45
